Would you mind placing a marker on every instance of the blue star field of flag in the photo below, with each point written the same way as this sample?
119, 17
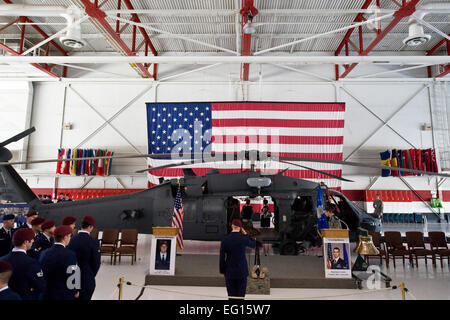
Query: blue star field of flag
179, 127
178, 202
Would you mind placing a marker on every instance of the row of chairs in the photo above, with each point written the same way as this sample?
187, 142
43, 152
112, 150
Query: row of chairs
113, 246
403, 218
415, 248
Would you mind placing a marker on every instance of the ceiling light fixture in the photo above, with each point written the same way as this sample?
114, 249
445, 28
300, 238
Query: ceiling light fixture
416, 35
73, 38
248, 27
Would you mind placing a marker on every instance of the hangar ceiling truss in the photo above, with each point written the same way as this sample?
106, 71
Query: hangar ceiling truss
406, 8
433, 50
46, 68
289, 28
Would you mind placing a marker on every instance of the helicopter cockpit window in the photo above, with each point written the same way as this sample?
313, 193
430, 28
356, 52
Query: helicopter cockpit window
205, 187
302, 208
302, 205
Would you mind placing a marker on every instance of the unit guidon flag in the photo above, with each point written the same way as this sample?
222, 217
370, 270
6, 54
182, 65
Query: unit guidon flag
310, 130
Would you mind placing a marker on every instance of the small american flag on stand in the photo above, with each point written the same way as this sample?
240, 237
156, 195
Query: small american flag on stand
178, 216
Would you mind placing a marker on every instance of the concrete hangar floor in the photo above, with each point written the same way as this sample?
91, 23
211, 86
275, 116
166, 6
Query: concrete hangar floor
423, 282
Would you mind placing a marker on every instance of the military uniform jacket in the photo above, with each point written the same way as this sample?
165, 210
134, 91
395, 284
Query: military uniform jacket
27, 275
378, 206
8, 294
87, 250
233, 262
339, 264
40, 244
25, 225
5, 241
59, 264
334, 222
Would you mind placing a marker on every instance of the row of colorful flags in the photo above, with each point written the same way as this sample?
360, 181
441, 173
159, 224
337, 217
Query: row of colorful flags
91, 167
416, 159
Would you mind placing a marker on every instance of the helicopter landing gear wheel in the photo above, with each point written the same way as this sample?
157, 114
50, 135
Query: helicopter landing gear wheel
288, 248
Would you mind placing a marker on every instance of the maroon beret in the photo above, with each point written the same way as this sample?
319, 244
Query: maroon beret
37, 221
237, 223
89, 220
5, 266
67, 221
24, 234
31, 213
62, 231
48, 224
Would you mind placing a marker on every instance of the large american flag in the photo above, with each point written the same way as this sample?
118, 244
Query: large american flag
310, 130
178, 216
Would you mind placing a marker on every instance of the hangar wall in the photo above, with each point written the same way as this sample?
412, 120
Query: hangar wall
87, 103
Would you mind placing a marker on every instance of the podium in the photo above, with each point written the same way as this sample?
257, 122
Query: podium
335, 233
163, 251
165, 231
336, 253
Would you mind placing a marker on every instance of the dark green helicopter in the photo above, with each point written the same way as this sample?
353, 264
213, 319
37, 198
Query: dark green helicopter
210, 201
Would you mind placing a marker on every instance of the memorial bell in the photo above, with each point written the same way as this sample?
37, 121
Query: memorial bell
366, 246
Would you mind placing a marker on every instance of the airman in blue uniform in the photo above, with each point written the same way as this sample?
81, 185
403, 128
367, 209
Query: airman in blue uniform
59, 265
27, 278
70, 221
87, 250
233, 263
6, 233
6, 293
31, 215
43, 240
36, 227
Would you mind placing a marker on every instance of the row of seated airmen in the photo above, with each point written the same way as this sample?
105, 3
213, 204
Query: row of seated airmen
42, 261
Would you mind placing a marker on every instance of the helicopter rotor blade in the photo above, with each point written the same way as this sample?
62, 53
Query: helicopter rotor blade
363, 165
216, 157
171, 165
318, 171
17, 137
133, 156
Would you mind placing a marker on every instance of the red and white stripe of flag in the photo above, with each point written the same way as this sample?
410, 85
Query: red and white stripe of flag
177, 222
310, 130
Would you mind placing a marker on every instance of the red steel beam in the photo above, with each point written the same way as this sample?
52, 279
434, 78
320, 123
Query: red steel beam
432, 50
9, 24
15, 53
445, 72
144, 33
100, 16
247, 8
142, 30
119, 4
22, 41
246, 52
405, 11
22, 36
440, 43
349, 32
38, 29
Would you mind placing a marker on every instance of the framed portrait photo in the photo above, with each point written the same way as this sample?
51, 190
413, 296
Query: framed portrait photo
162, 255
337, 258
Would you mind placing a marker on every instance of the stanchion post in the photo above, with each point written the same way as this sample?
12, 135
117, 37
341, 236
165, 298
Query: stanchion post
120, 287
402, 288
